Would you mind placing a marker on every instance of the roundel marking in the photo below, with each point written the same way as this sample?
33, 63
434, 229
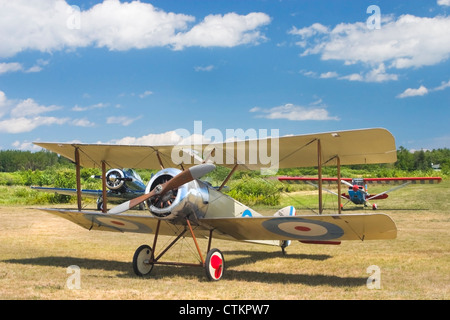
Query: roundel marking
123, 224
247, 213
215, 266
303, 229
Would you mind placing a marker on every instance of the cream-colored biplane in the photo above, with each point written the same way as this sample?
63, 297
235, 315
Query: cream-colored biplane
180, 204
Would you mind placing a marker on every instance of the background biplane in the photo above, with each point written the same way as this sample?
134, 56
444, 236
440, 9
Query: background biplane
180, 204
122, 184
357, 187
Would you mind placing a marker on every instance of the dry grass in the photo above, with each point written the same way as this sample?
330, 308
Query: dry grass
36, 248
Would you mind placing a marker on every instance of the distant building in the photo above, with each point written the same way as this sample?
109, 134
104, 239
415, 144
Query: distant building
436, 167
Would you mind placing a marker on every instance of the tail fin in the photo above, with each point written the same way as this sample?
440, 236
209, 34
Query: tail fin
285, 212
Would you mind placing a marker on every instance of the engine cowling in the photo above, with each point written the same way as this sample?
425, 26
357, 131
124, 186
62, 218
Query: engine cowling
115, 179
124, 180
177, 203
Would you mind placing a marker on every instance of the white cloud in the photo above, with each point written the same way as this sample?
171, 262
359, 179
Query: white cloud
313, 30
15, 67
377, 74
82, 123
328, 75
22, 124
52, 25
443, 85
353, 77
206, 69
406, 42
123, 121
26, 115
10, 67
228, 30
146, 93
26, 146
29, 107
99, 105
295, 113
421, 91
443, 2
167, 138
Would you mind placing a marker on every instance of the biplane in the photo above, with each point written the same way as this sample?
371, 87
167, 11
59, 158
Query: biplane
122, 184
357, 187
181, 205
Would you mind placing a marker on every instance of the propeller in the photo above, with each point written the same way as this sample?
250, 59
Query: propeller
186, 176
347, 183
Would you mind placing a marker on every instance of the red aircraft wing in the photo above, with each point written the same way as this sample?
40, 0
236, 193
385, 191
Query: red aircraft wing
413, 180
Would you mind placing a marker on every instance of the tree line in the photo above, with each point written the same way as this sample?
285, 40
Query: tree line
16, 160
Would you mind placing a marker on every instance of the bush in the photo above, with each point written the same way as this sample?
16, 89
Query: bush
255, 191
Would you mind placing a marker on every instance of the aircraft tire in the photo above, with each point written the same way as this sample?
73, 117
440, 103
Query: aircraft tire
100, 205
142, 254
214, 265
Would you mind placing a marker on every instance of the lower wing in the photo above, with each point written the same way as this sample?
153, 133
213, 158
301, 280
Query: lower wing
88, 193
308, 228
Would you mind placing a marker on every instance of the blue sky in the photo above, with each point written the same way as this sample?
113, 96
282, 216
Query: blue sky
133, 72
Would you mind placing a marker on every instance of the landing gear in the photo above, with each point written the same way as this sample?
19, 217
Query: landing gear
141, 261
284, 245
144, 258
214, 265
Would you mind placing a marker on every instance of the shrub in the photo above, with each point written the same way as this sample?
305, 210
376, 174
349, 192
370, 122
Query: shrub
255, 191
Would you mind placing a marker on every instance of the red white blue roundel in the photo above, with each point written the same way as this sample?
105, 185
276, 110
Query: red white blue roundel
121, 224
303, 229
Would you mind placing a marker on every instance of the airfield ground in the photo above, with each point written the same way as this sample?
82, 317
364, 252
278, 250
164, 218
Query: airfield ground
37, 248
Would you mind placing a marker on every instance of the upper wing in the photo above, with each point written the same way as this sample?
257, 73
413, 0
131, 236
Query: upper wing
402, 180
413, 180
307, 180
312, 227
283, 152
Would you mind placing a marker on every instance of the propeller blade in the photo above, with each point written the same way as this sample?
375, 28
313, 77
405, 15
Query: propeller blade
188, 175
347, 183
183, 177
131, 203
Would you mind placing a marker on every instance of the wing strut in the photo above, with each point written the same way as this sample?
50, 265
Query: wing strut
392, 189
319, 170
104, 193
78, 177
338, 160
228, 177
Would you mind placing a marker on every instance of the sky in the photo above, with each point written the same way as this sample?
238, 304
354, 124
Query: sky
138, 72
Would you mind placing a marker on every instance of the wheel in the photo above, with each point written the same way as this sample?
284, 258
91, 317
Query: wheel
214, 265
374, 207
141, 258
100, 204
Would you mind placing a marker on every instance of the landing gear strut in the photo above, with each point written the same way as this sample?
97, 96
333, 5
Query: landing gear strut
144, 258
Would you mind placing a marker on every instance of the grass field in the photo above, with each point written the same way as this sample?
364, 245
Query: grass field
37, 248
